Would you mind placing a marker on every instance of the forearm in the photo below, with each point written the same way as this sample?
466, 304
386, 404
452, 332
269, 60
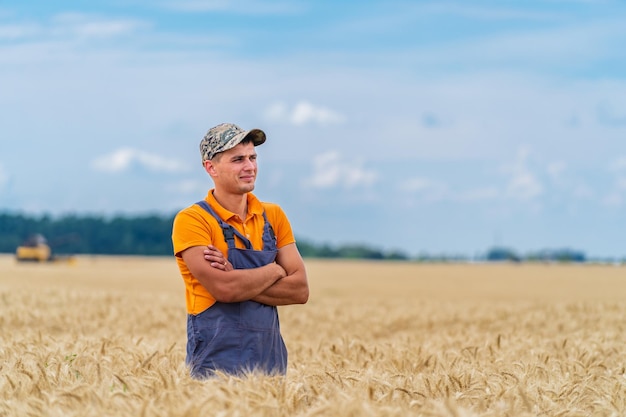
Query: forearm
231, 285
243, 284
293, 289
289, 288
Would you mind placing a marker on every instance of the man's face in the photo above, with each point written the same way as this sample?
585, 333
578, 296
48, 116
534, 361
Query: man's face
234, 170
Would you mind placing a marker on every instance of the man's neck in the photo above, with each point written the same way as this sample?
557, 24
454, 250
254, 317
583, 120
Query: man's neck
236, 203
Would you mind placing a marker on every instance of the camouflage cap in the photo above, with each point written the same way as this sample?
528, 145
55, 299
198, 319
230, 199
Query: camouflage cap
226, 136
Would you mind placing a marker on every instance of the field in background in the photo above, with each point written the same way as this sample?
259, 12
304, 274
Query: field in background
106, 337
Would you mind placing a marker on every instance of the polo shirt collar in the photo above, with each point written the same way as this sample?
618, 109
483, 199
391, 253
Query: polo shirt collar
254, 206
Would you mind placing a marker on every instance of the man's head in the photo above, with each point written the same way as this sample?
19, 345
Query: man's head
226, 136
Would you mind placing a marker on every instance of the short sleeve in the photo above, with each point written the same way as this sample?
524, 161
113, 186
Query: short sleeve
190, 229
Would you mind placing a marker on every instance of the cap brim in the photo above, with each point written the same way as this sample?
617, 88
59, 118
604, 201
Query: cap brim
257, 135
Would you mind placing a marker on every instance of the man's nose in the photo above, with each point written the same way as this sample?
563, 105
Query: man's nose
249, 164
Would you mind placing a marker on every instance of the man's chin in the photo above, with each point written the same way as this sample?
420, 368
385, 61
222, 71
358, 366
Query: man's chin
247, 188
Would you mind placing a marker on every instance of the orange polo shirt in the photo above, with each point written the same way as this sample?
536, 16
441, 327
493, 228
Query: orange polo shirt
194, 226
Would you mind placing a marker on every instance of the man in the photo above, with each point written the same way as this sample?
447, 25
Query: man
232, 322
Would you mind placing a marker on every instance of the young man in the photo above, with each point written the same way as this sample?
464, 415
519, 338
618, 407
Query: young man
238, 259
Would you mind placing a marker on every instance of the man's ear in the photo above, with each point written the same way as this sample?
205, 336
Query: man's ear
209, 168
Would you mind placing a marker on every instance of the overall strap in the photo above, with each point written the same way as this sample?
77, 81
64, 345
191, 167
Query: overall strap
269, 237
229, 231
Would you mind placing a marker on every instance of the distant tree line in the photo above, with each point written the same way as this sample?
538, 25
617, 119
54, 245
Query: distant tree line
151, 235
72, 234
136, 235
348, 251
547, 255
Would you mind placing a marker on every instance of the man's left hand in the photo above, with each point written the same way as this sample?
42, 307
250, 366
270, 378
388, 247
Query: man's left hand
217, 258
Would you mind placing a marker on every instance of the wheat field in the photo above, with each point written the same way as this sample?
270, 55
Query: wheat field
105, 336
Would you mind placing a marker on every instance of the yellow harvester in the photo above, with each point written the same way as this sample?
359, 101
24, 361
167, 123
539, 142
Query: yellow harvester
34, 249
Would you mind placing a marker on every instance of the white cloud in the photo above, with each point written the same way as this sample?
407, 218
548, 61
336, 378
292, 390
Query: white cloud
523, 184
70, 26
613, 199
15, 32
87, 26
557, 177
331, 171
417, 184
556, 169
303, 113
238, 7
485, 13
123, 159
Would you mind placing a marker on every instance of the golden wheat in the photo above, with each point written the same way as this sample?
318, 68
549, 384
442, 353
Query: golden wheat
106, 337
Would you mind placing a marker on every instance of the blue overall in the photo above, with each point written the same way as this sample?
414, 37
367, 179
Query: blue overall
241, 337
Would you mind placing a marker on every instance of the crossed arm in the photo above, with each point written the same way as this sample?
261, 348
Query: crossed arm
279, 283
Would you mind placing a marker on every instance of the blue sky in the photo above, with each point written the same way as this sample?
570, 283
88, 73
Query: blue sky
425, 126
